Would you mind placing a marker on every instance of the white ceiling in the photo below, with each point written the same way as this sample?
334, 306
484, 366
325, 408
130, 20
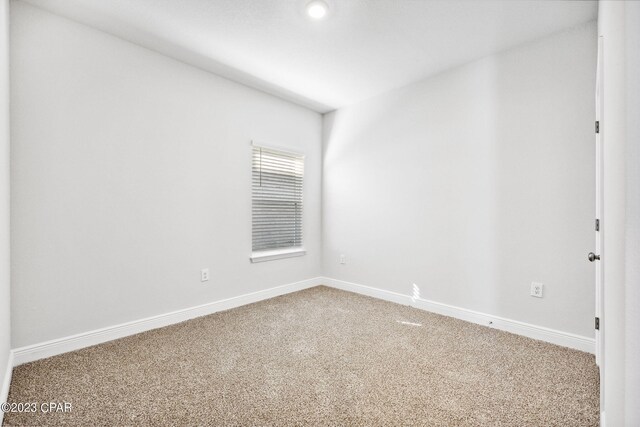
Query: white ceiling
364, 47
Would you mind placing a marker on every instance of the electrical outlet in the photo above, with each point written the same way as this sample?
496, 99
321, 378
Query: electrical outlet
204, 274
536, 289
343, 259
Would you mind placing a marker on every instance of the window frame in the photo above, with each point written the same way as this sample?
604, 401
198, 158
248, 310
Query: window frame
286, 252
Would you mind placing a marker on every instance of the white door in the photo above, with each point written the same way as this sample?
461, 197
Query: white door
598, 254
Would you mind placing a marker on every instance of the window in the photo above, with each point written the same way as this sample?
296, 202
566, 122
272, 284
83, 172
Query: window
276, 204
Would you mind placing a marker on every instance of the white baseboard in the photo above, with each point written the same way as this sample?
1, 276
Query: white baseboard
6, 383
75, 342
86, 339
541, 333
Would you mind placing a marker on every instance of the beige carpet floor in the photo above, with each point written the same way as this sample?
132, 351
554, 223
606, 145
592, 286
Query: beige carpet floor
316, 357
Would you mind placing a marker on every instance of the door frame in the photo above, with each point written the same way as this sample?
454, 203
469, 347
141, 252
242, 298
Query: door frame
599, 211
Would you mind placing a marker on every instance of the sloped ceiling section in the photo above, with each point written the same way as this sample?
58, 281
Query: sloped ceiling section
363, 48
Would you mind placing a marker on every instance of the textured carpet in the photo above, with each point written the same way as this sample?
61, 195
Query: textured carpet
316, 357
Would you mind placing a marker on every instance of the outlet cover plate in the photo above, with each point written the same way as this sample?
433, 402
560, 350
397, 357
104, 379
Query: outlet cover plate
537, 289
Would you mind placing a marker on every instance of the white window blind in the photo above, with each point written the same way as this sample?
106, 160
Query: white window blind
277, 199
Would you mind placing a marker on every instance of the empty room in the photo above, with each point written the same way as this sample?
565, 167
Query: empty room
319, 213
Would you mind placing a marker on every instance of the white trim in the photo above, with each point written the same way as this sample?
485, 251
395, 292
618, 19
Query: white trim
6, 383
261, 256
86, 339
62, 345
602, 420
541, 333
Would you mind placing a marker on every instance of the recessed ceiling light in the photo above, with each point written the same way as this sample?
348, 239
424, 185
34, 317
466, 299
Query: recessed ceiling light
317, 9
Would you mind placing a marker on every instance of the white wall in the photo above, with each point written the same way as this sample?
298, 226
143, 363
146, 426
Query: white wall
472, 184
130, 173
618, 24
632, 249
5, 323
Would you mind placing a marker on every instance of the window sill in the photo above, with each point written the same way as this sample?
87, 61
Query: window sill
276, 254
